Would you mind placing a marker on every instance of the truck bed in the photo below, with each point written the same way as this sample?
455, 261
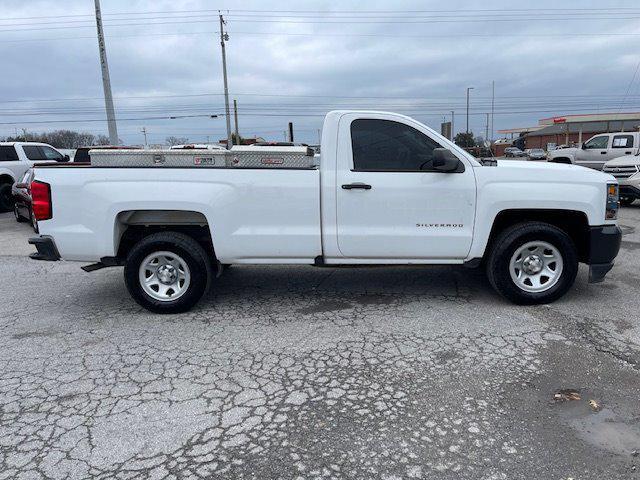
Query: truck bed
271, 214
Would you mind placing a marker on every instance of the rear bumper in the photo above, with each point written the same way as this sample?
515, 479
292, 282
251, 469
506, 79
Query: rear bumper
46, 247
604, 245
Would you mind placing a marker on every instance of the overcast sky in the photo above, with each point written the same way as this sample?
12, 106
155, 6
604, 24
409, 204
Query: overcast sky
293, 61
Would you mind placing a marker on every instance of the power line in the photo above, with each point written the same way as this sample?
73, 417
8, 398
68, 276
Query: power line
572, 11
345, 35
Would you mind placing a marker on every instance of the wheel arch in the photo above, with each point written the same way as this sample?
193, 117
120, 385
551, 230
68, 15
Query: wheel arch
573, 222
131, 226
6, 177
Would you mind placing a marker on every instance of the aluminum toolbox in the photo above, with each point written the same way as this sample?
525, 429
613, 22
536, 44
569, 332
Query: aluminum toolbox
157, 158
238, 157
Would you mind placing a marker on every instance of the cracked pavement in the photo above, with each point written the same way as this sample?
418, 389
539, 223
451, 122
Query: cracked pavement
300, 372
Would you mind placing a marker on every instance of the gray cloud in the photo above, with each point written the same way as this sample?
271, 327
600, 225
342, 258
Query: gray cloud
421, 69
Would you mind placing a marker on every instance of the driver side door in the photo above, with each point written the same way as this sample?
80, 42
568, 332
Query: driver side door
594, 152
391, 204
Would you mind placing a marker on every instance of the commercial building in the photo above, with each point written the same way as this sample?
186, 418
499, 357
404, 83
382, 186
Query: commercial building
572, 129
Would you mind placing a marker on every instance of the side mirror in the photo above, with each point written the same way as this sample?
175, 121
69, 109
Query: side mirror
444, 160
584, 146
66, 158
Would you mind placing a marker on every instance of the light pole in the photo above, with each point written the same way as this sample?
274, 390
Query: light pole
468, 90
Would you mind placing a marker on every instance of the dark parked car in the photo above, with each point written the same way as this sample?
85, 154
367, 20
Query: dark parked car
82, 153
21, 192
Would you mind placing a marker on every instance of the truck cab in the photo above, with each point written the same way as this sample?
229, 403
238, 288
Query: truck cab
598, 150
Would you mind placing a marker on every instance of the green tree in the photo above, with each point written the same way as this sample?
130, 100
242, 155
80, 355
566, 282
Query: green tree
237, 140
464, 139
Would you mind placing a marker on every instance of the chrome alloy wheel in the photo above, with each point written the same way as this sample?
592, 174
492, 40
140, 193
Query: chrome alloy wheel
536, 266
164, 276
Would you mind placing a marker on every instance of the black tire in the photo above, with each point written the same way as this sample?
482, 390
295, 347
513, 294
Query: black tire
6, 198
189, 250
626, 201
505, 246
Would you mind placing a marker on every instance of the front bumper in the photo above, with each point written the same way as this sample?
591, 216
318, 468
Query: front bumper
46, 247
630, 191
604, 245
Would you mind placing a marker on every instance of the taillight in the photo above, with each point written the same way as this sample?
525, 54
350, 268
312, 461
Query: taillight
41, 200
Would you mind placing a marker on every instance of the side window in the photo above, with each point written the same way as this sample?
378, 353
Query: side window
8, 153
33, 152
622, 141
36, 152
388, 145
51, 154
599, 143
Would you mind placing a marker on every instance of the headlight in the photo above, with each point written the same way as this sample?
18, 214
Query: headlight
612, 201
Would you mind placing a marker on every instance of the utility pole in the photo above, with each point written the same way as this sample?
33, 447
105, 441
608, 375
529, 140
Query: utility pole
223, 38
468, 90
486, 137
493, 105
319, 136
453, 117
235, 116
144, 131
291, 132
106, 80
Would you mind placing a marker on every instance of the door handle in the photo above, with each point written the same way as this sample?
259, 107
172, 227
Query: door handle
603, 153
627, 153
353, 186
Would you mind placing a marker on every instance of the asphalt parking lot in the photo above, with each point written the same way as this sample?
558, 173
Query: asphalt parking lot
299, 372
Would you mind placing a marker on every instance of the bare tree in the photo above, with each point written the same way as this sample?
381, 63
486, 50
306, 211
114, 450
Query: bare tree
171, 141
62, 138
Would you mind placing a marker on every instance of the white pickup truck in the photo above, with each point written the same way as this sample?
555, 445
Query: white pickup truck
598, 150
388, 190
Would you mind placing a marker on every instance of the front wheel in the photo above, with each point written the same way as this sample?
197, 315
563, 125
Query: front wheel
532, 263
167, 272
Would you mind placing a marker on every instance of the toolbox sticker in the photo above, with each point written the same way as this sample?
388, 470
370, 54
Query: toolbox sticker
204, 161
272, 160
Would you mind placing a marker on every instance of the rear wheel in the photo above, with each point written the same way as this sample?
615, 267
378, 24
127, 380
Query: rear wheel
6, 198
532, 263
167, 272
626, 201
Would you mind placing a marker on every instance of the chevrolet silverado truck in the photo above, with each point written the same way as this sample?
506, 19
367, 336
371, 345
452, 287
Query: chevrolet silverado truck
598, 150
386, 190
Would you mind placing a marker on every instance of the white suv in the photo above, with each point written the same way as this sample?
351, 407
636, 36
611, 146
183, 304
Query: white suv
18, 157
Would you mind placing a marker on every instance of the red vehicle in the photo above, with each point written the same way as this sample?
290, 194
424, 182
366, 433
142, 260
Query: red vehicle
21, 192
